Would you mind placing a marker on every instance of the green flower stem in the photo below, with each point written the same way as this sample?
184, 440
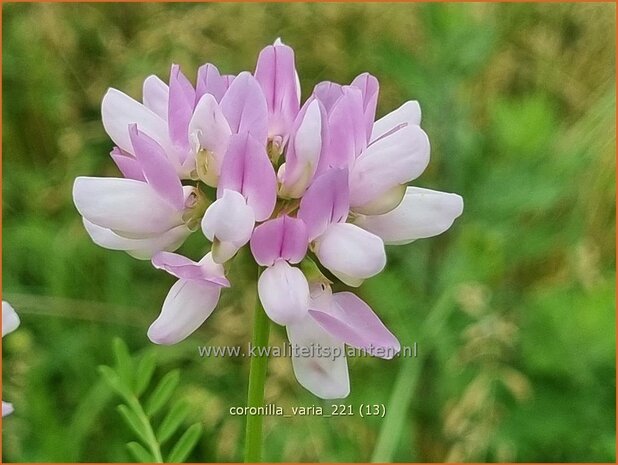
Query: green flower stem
257, 378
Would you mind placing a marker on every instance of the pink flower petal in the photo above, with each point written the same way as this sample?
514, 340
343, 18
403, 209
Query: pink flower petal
127, 164
346, 129
328, 93
245, 108
182, 267
282, 237
351, 320
180, 108
157, 169
210, 81
309, 139
276, 73
228, 78
369, 87
325, 202
247, 169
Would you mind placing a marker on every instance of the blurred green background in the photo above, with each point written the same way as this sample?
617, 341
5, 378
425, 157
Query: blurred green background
513, 308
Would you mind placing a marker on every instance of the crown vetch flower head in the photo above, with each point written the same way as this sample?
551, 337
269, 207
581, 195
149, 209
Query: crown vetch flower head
315, 190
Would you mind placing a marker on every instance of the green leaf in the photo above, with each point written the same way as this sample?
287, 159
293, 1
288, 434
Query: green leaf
162, 392
113, 381
185, 444
144, 372
139, 453
172, 421
131, 418
124, 363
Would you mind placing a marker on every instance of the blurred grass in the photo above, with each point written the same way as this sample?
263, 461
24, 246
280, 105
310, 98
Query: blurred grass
519, 104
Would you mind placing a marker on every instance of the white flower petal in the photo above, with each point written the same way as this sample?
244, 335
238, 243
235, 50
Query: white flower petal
118, 111
212, 268
140, 248
325, 374
228, 224
10, 320
408, 113
210, 130
124, 205
303, 153
284, 293
351, 253
155, 96
223, 251
392, 160
422, 213
7, 408
384, 202
186, 307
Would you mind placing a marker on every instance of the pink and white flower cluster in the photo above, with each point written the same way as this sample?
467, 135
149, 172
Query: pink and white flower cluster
315, 190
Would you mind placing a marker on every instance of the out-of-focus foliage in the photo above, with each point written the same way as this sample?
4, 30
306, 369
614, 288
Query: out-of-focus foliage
513, 308
131, 379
